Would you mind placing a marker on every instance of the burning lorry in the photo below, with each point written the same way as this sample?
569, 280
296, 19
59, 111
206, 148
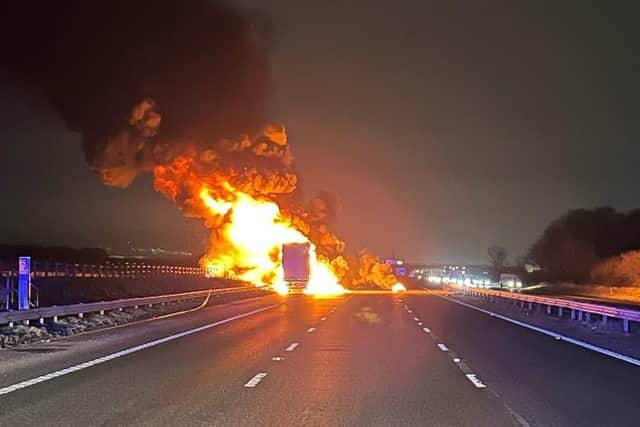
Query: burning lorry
296, 263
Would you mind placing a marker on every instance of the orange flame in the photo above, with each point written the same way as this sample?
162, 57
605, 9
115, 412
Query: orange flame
254, 232
398, 287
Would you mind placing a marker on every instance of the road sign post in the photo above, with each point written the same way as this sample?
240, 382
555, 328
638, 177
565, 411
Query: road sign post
24, 282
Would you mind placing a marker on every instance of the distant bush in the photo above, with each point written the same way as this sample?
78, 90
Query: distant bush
576, 244
621, 270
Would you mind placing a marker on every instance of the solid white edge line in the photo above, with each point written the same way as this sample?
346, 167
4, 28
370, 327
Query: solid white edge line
292, 346
555, 335
108, 357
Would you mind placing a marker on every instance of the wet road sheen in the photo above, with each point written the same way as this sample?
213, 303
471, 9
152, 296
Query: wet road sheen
362, 360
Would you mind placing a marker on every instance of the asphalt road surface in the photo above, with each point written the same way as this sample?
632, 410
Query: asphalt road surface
361, 360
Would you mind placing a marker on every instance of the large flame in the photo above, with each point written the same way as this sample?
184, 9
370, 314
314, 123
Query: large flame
255, 232
398, 287
242, 188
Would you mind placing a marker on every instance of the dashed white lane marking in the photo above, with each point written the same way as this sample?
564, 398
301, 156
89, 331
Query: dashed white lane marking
555, 335
277, 358
255, 380
475, 381
292, 346
410, 311
311, 329
419, 323
416, 319
473, 378
103, 359
324, 318
519, 418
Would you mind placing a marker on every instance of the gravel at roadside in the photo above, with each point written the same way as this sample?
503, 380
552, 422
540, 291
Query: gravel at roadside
71, 325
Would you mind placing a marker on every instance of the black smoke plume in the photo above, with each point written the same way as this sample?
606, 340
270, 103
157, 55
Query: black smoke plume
141, 81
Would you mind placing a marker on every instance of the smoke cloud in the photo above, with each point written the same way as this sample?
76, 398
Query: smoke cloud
177, 89
141, 81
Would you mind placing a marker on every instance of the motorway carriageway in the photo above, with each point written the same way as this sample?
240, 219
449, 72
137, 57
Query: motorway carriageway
358, 360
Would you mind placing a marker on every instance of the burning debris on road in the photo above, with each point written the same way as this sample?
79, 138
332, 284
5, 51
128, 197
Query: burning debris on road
179, 91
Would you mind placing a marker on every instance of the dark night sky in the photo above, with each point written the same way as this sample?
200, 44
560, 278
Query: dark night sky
442, 128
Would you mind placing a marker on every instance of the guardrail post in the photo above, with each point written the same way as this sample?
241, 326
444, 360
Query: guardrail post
573, 314
560, 311
530, 305
548, 308
588, 316
579, 315
604, 320
625, 325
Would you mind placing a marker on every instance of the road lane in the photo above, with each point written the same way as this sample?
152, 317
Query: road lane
372, 361
32, 360
549, 382
368, 364
169, 384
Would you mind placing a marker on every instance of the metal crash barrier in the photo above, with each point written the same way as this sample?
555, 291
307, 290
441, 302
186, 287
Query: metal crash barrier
55, 312
578, 310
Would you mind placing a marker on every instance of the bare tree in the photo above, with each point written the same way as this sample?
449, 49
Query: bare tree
497, 257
